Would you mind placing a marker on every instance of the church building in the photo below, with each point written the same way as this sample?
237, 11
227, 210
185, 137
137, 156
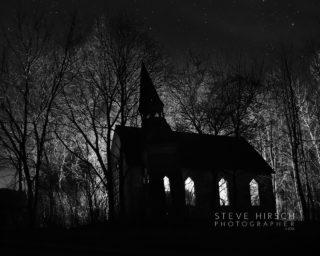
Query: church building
161, 173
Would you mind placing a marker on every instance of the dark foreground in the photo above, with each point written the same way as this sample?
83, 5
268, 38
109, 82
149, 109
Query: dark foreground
106, 239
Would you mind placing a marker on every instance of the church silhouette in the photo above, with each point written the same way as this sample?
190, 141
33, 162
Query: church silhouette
159, 173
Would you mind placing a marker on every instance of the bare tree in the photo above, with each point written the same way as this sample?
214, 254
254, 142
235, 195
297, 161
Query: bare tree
106, 93
288, 98
35, 73
210, 99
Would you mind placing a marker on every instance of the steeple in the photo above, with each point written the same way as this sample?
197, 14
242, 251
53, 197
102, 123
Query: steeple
150, 105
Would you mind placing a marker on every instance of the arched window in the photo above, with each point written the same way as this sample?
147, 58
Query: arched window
189, 192
166, 184
223, 192
254, 193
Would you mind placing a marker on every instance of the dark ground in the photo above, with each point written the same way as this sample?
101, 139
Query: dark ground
106, 239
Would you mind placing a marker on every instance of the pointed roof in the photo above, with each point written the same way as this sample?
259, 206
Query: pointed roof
150, 102
199, 151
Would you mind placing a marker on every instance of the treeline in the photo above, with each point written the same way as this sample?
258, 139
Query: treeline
63, 91
274, 105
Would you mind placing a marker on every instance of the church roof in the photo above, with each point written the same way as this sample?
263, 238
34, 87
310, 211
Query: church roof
199, 151
150, 102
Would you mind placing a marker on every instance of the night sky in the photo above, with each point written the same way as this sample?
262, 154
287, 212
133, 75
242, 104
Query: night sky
240, 25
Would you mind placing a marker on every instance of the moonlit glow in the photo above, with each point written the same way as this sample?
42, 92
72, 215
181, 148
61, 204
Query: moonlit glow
223, 192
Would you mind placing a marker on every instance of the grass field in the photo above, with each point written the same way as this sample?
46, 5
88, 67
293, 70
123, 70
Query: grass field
106, 239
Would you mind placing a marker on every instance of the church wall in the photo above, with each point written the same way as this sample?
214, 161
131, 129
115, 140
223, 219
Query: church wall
205, 184
239, 190
242, 187
267, 197
133, 192
267, 200
115, 149
206, 192
161, 161
203, 191
132, 187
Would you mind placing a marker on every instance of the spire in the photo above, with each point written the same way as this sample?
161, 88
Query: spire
150, 105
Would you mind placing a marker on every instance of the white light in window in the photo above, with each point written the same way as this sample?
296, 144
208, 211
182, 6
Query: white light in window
254, 193
189, 192
166, 184
223, 192
168, 199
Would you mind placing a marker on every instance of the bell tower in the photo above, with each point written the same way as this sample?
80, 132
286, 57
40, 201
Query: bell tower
160, 154
150, 105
